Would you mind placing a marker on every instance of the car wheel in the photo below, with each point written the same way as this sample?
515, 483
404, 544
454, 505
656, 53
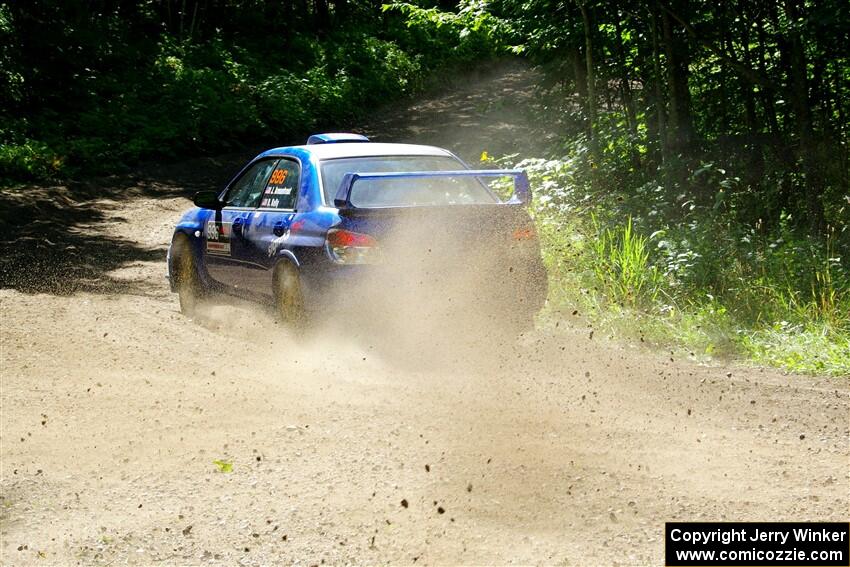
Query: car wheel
188, 283
289, 299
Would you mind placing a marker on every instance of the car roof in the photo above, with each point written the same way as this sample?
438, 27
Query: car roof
362, 149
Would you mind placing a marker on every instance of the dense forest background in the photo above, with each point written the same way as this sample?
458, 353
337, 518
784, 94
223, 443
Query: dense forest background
698, 192
91, 86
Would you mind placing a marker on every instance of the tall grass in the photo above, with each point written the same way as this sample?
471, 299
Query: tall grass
622, 267
706, 284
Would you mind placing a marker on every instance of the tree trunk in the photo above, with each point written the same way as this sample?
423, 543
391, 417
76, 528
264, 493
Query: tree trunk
182, 17
765, 97
723, 111
803, 120
340, 10
626, 93
754, 174
746, 88
322, 19
660, 106
580, 76
681, 122
194, 20
591, 83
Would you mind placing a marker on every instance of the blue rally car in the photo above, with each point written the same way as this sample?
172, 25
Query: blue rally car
342, 222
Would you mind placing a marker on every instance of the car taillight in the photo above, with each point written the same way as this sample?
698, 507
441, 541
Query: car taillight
347, 247
525, 233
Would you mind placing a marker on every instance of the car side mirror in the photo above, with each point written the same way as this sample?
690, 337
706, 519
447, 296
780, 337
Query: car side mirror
207, 200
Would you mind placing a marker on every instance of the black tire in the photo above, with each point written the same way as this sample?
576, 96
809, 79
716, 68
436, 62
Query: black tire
289, 299
190, 292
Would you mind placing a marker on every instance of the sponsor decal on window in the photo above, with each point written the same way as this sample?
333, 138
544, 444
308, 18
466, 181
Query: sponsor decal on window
277, 194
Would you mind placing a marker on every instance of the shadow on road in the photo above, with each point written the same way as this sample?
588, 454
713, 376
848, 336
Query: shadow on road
61, 239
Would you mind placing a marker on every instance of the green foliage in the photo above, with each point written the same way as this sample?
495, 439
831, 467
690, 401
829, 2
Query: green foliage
707, 284
684, 91
812, 348
130, 94
10, 77
223, 466
469, 34
621, 266
27, 159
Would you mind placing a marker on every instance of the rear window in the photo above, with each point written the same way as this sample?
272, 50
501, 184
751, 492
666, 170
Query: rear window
414, 191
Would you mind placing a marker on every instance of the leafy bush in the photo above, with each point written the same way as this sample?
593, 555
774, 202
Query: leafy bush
470, 34
706, 283
28, 159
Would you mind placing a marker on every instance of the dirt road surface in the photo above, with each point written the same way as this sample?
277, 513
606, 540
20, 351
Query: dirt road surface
560, 449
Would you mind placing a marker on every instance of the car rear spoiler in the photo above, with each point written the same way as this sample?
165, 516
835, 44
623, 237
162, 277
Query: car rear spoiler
521, 195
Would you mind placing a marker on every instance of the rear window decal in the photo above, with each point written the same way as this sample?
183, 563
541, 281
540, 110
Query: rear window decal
278, 177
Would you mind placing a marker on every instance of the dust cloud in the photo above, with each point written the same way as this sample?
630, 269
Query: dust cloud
442, 282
